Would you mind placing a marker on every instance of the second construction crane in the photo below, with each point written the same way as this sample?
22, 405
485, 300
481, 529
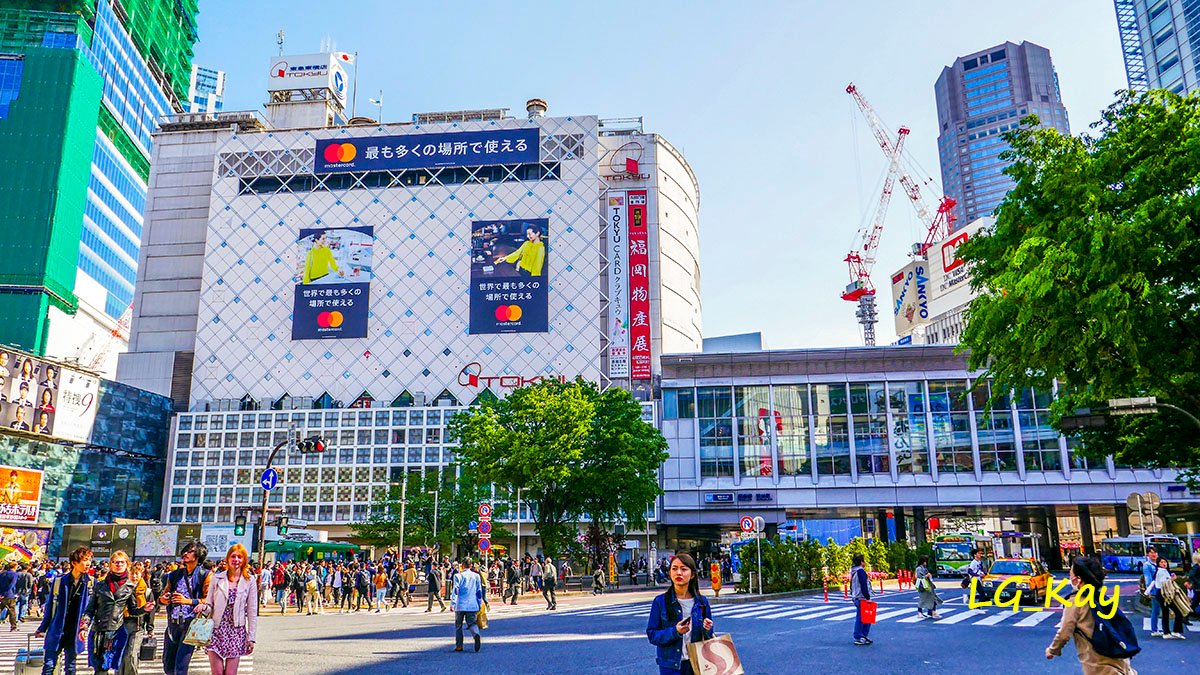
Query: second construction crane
861, 259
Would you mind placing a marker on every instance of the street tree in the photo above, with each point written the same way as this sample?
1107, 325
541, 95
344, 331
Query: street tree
1091, 275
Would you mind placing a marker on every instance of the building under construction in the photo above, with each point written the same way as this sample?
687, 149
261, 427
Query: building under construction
83, 84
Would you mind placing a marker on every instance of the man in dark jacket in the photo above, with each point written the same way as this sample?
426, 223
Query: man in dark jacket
63, 614
184, 589
512, 581
25, 585
8, 593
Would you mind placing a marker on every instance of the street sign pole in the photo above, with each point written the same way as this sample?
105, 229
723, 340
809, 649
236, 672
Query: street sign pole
760, 524
262, 518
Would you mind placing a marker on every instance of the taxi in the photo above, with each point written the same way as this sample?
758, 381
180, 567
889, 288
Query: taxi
1028, 576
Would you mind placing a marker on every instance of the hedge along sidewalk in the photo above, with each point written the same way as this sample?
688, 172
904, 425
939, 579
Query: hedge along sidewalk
835, 592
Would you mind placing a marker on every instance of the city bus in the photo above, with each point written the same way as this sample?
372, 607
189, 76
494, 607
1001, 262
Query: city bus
1126, 554
952, 552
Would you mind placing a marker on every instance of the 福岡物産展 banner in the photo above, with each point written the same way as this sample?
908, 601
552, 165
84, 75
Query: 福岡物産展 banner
44, 398
20, 494
641, 357
618, 285
333, 283
509, 276
421, 151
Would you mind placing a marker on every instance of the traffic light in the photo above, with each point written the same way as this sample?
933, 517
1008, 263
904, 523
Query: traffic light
283, 525
312, 444
239, 525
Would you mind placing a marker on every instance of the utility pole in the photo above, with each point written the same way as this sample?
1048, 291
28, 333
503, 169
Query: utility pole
403, 503
435, 494
518, 523
287, 442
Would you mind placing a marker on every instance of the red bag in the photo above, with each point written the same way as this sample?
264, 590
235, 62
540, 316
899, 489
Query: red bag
867, 609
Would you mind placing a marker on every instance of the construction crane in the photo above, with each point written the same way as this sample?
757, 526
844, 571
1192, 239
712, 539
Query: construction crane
861, 259
99, 347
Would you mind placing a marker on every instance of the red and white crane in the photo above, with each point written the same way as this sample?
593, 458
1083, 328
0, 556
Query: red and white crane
861, 259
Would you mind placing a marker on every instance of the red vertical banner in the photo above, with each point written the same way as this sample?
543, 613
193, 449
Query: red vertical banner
639, 288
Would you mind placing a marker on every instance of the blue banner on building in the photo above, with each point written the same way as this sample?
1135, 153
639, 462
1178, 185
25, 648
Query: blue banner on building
509, 276
422, 151
333, 283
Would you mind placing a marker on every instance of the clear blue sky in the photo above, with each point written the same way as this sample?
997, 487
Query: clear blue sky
751, 92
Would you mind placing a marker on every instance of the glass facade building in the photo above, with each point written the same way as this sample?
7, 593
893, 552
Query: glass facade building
1157, 38
206, 94
979, 97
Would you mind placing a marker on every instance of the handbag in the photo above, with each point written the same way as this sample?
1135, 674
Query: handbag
149, 649
481, 618
868, 608
717, 656
200, 632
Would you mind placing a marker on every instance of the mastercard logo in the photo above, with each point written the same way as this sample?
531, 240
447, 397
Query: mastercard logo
340, 152
330, 319
508, 313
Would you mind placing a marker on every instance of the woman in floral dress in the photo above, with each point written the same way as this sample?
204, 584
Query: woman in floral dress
232, 602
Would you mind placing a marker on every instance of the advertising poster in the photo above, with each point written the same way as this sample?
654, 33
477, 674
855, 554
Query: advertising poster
187, 534
949, 275
218, 539
510, 267
21, 495
333, 283
43, 398
618, 286
23, 544
641, 358
910, 297
419, 151
156, 541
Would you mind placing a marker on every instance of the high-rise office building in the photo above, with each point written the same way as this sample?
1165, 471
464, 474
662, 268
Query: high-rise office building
1156, 41
206, 93
979, 97
82, 86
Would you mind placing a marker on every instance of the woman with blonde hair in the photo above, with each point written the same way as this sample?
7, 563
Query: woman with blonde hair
136, 627
232, 602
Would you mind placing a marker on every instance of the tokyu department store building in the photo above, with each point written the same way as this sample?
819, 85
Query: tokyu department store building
366, 281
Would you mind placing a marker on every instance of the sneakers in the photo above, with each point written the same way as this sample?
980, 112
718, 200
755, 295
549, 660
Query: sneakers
861, 642
869, 640
478, 643
1157, 633
1174, 636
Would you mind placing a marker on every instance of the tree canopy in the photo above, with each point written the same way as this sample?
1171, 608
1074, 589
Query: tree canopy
575, 452
1091, 274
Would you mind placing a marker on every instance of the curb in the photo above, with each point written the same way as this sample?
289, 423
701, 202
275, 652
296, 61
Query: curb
744, 598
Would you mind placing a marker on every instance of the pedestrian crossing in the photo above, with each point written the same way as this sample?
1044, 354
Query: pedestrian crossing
11, 641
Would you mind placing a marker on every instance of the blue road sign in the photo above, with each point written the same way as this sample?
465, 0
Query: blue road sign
485, 544
473, 526
270, 478
485, 528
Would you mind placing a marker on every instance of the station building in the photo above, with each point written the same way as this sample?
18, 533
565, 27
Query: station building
868, 433
461, 254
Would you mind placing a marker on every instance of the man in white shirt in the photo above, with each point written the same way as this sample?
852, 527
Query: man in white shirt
466, 599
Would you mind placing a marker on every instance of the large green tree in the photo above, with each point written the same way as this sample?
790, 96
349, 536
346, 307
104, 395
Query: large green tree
574, 451
1091, 275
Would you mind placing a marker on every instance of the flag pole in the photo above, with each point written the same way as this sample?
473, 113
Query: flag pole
354, 100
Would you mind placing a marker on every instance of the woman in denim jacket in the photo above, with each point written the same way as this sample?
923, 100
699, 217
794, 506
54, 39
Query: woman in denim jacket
680, 611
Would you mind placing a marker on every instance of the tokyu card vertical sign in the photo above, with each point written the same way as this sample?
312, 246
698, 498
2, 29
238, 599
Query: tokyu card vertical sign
333, 283
618, 286
639, 287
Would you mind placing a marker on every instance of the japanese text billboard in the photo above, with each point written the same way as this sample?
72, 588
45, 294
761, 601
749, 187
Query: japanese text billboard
639, 287
308, 71
333, 283
618, 286
509, 276
949, 275
20, 495
44, 398
419, 151
910, 297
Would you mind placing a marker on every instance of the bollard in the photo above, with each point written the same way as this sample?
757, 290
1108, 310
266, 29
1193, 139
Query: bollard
845, 590
881, 584
825, 586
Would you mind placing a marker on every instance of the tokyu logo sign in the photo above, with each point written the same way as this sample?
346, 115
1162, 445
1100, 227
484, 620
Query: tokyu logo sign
472, 375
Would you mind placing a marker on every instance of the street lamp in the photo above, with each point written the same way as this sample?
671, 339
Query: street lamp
435, 494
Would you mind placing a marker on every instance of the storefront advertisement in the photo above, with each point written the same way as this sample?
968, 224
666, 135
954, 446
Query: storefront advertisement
46, 399
510, 265
333, 283
618, 286
639, 287
21, 495
416, 151
23, 544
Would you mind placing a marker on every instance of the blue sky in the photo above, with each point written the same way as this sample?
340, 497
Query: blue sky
752, 93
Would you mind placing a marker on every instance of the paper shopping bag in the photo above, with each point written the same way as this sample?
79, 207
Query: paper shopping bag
867, 608
717, 656
199, 632
481, 619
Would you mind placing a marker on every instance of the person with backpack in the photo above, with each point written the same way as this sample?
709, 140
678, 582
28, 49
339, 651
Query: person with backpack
279, 585
185, 588
1104, 646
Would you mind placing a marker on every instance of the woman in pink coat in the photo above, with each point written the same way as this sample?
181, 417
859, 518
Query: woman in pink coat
232, 602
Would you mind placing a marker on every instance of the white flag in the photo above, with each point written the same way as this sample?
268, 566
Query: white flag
344, 57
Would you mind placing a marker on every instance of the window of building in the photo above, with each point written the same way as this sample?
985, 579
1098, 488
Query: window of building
910, 444
716, 447
868, 403
994, 428
755, 424
679, 404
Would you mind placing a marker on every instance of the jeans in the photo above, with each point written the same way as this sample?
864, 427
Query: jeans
861, 630
663, 670
459, 617
380, 599
65, 651
281, 598
177, 656
1155, 608
22, 606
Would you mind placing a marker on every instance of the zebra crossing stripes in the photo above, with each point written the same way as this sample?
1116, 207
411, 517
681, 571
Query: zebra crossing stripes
1194, 628
884, 616
963, 616
917, 617
790, 613
1034, 619
992, 620
820, 613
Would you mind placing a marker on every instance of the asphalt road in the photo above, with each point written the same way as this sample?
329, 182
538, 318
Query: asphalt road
607, 635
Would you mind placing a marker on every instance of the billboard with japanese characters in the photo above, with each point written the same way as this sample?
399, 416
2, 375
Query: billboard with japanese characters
509, 276
333, 283
20, 495
641, 356
618, 285
43, 398
419, 151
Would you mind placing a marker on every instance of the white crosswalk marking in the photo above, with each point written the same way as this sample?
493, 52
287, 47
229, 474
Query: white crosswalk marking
995, 619
916, 618
841, 617
961, 616
792, 612
746, 611
817, 615
1035, 618
884, 616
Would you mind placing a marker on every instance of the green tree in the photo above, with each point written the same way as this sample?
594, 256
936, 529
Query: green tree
1091, 275
877, 556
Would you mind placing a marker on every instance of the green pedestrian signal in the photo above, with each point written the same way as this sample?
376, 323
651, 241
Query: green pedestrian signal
239, 525
283, 525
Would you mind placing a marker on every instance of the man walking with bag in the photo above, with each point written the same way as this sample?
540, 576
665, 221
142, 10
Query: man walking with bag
860, 593
466, 599
185, 588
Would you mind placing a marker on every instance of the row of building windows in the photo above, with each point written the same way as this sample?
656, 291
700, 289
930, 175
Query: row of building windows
974, 87
90, 265
130, 90
373, 180
410, 436
129, 185
315, 420
104, 253
980, 72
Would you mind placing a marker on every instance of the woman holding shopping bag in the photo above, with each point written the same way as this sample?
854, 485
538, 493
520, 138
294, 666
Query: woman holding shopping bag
679, 616
232, 602
927, 597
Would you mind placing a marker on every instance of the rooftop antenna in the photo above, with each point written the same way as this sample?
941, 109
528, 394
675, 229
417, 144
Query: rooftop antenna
279, 41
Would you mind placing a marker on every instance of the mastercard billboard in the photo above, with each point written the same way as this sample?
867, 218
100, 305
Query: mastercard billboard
334, 268
510, 272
